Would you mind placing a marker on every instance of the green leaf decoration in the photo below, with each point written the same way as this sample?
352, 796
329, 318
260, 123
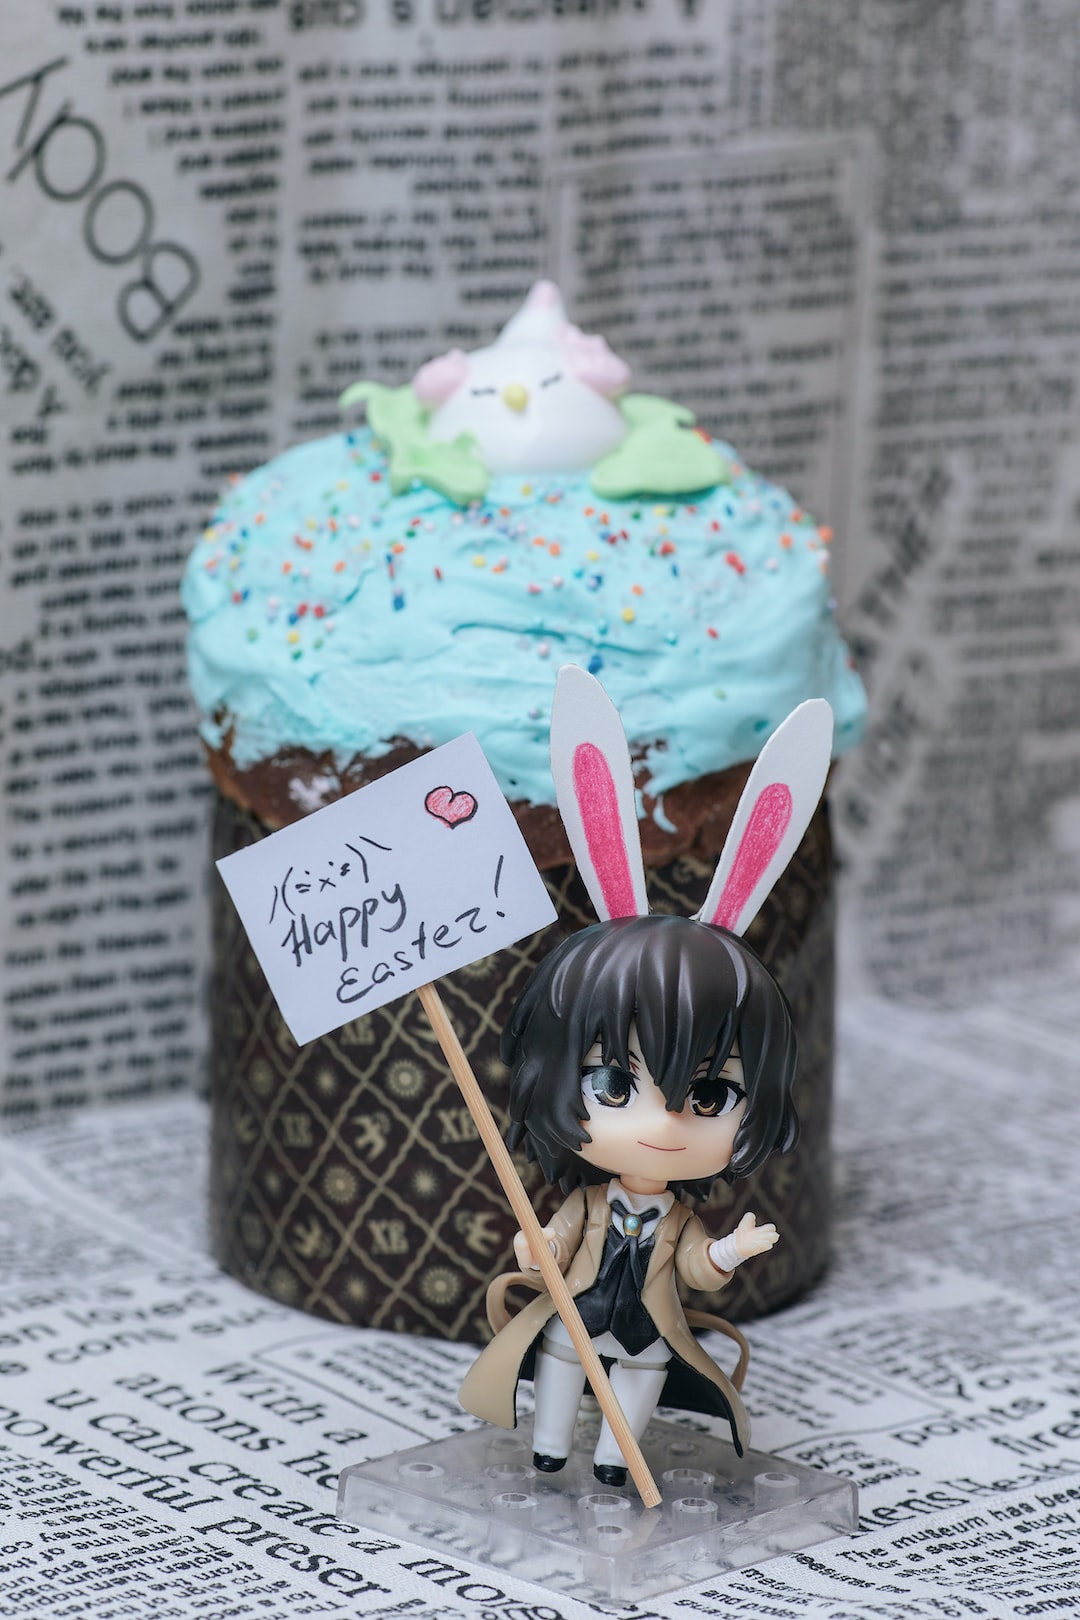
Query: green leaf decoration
661, 454
400, 423
454, 470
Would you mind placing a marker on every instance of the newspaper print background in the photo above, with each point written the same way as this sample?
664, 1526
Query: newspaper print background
847, 234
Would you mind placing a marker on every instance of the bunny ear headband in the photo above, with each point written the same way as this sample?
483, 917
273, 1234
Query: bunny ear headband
594, 785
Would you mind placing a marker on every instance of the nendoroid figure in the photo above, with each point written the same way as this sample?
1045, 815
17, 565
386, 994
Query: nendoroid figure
648, 1055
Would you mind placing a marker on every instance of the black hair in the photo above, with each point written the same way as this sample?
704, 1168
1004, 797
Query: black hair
693, 990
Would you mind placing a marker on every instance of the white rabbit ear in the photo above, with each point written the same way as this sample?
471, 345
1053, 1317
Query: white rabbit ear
594, 785
780, 796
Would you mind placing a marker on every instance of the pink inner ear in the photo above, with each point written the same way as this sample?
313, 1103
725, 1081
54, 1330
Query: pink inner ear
592, 362
441, 377
766, 827
598, 801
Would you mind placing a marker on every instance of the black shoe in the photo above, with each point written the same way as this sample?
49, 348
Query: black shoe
609, 1473
548, 1465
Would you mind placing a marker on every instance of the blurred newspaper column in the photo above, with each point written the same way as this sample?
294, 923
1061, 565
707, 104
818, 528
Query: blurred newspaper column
845, 235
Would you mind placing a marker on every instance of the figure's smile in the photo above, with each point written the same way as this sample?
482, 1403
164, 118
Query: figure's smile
657, 1149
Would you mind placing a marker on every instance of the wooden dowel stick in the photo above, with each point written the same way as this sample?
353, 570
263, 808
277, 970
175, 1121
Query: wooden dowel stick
514, 1189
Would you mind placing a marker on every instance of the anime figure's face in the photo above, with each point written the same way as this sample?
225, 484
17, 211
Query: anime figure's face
656, 1003
636, 1136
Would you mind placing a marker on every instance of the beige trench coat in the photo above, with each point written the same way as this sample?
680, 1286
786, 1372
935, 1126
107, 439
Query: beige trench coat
680, 1250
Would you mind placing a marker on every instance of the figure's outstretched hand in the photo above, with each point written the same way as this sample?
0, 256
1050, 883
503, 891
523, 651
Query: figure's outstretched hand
523, 1253
751, 1239
747, 1240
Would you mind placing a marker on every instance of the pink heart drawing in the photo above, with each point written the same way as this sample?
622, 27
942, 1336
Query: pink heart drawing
452, 808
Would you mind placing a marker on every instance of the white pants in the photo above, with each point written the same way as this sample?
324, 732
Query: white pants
559, 1381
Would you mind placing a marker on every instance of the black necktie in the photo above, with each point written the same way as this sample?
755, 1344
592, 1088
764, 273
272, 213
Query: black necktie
633, 1224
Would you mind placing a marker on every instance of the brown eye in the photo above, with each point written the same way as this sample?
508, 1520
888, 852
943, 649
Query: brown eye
609, 1086
711, 1098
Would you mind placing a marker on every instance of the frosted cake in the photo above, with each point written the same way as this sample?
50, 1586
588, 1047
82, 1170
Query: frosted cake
372, 594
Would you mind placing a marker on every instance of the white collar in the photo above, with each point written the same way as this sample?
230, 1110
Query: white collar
639, 1202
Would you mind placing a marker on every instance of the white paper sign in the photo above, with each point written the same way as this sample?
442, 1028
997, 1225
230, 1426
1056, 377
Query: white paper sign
399, 883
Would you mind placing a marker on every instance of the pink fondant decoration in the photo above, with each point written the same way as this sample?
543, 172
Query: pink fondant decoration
452, 808
765, 828
598, 802
439, 378
542, 295
592, 362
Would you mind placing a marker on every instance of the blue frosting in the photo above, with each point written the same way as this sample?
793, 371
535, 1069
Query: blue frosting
329, 615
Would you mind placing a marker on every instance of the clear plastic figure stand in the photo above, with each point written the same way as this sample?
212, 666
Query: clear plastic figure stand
478, 1497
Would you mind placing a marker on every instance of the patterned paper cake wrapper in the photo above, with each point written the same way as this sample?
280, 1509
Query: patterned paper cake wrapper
347, 1178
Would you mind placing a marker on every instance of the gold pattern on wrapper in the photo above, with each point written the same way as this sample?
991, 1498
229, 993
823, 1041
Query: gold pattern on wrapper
347, 1178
